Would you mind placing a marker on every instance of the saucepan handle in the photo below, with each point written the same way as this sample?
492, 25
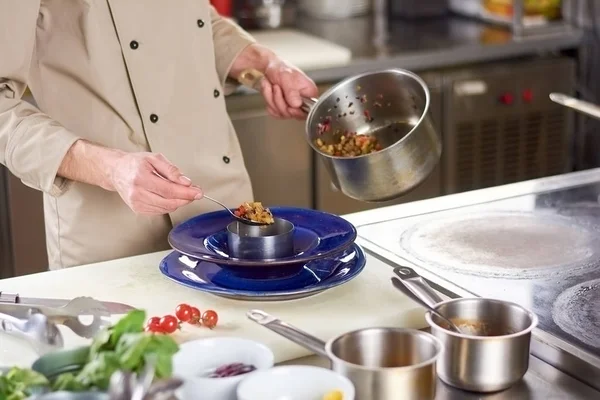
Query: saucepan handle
288, 331
583, 107
251, 78
418, 286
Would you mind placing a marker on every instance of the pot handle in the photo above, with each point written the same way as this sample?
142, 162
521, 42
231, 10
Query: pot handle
288, 331
418, 286
251, 78
583, 107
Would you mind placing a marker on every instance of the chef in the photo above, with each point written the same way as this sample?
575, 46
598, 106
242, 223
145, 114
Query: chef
127, 91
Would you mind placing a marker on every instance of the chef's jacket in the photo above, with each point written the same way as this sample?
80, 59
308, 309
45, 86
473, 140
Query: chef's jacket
135, 75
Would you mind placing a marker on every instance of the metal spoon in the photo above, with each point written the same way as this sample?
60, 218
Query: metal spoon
398, 284
242, 220
42, 334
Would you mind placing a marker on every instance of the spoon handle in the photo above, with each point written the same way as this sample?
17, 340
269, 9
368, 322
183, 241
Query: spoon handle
398, 284
216, 202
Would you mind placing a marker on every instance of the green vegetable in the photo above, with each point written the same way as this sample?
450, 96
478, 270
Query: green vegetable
124, 346
20, 383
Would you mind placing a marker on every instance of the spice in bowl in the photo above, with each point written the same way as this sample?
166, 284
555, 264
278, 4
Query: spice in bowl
234, 369
334, 395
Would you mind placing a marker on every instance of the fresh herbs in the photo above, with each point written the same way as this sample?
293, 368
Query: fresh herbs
124, 346
19, 383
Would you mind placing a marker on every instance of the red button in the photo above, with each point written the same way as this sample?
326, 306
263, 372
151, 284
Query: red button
528, 96
507, 98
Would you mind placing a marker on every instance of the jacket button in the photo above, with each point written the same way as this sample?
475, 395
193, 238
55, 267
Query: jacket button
153, 118
216, 93
226, 159
200, 23
134, 45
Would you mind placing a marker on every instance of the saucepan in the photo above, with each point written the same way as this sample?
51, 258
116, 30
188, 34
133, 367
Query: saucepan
393, 106
382, 363
491, 351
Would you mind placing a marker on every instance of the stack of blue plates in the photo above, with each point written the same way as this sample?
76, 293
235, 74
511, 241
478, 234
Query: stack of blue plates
325, 256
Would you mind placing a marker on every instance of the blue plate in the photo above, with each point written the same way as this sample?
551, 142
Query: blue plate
317, 235
316, 276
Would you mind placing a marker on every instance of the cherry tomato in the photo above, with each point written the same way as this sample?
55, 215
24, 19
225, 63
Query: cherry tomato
194, 316
169, 324
210, 319
153, 325
183, 312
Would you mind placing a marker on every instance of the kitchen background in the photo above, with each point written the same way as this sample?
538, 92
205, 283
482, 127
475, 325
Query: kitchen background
490, 65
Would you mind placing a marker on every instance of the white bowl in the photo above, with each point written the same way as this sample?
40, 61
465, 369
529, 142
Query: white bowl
196, 359
294, 382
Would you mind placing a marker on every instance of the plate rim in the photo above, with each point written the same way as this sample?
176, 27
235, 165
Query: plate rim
258, 263
248, 295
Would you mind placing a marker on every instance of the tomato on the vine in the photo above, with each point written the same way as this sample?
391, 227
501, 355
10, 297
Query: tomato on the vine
153, 325
210, 319
183, 312
169, 324
195, 316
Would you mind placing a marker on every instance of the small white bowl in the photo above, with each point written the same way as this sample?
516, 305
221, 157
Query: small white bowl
294, 382
196, 359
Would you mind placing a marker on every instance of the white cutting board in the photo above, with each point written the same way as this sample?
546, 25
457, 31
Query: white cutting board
367, 301
302, 50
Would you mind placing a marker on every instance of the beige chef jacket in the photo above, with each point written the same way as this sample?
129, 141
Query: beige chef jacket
136, 75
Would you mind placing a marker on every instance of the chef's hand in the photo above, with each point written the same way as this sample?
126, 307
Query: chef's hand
283, 88
151, 185
284, 84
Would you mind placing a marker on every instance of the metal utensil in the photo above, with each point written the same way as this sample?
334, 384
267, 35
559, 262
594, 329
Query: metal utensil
494, 359
579, 105
109, 306
269, 242
418, 286
398, 284
37, 329
68, 316
382, 363
392, 105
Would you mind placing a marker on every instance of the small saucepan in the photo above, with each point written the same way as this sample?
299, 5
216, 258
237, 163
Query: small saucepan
391, 105
491, 351
382, 363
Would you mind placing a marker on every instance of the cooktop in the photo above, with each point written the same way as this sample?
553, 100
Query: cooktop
539, 249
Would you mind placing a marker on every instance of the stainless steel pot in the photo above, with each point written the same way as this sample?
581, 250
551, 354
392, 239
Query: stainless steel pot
487, 363
382, 363
494, 355
398, 106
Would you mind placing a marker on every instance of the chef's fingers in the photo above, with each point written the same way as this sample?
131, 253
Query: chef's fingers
273, 112
280, 103
297, 113
150, 203
170, 190
169, 171
267, 92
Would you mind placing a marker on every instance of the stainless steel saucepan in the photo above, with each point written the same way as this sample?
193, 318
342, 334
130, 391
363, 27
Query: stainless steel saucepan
392, 105
382, 363
491, 352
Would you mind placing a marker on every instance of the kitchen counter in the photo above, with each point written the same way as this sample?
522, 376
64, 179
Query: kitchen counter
137, 281
425, 44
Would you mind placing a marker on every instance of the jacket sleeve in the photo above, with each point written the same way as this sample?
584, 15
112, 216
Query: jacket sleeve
32, 145
229, 41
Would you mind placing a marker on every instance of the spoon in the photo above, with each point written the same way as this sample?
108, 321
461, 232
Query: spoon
400, 286
242, 220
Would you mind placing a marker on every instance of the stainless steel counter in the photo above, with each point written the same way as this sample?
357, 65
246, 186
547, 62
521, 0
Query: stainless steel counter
425, 44
542, 382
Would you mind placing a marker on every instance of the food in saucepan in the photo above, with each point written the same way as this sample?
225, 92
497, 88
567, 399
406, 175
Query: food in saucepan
234, 369
348, 144
255, 212
478, 328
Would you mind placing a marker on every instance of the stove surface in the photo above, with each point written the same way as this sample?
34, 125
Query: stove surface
540, 250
